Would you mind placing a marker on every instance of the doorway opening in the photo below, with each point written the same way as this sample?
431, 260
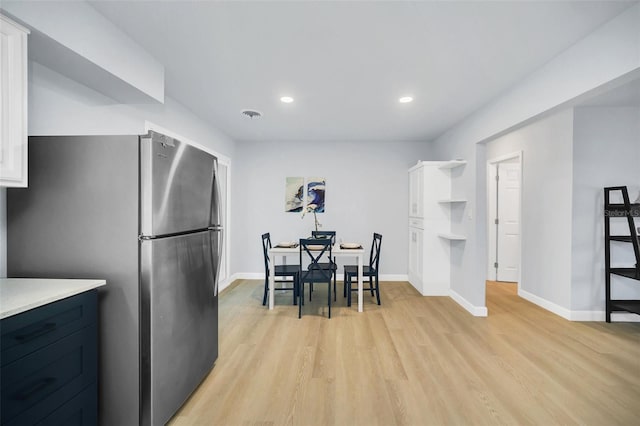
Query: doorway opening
504, 184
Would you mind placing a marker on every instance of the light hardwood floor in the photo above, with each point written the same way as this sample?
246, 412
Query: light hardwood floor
414, 360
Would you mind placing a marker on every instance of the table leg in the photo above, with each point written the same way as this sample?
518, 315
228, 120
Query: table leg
360, 285
272, 286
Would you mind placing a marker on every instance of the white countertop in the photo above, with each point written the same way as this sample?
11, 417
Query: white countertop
21, 294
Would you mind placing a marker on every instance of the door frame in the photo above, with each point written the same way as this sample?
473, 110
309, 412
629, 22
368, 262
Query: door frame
491, 231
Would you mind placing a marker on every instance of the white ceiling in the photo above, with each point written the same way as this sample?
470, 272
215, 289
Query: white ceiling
347, 63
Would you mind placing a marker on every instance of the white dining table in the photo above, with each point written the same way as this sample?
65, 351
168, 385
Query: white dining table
337, 251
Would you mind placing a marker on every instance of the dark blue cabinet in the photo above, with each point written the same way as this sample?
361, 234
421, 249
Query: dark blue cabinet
49, 364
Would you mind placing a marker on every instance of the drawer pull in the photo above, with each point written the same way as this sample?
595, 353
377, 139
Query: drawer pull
46, 328
35, 388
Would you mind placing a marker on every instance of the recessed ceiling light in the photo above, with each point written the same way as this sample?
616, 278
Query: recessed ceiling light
286, 99
405, 99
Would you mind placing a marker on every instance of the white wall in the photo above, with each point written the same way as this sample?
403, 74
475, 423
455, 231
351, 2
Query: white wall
468, 260
547, 152
61, 106
607, 57
367, 191
609, 54
568, 158
606, 153
74, 38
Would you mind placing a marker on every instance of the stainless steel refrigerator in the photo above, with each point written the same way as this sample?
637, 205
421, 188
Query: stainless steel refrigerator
141, 212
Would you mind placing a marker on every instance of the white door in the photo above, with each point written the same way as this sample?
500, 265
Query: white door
508, 221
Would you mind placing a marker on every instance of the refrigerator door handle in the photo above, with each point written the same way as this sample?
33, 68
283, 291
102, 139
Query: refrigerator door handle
216, 255
215, 213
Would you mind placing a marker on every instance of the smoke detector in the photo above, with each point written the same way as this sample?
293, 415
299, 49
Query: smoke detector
251, 113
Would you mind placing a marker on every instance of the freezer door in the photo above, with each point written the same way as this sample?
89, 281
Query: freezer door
176, 186
179, 320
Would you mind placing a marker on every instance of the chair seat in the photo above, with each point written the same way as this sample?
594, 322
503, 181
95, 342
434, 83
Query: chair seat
370, 271
314, 275
329, 266
351, 272
367, 271
326, 266
316, 272
285, 270
279, 271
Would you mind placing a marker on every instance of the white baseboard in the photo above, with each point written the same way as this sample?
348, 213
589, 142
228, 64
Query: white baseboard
239, 276
601, 316
394, 277
577, 315
260, 276
225, 283
476, 311
544, 303
586, 316
248, 276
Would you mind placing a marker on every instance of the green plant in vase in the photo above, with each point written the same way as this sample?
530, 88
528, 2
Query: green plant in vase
312, 208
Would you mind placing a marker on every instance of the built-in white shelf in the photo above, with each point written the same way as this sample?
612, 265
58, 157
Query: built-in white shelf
452, 164
434, 210
452, 200
452, 237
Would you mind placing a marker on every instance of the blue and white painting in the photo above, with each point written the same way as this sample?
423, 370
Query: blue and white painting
294, 194
315, 194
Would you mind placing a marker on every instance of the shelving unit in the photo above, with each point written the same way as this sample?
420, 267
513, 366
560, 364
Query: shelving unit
452, 237
452, 201
431, 203
452, 164
625, 210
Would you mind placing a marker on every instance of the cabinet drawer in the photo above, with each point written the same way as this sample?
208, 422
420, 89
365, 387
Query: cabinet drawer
82, 410
36, 385
416, 223
31, 330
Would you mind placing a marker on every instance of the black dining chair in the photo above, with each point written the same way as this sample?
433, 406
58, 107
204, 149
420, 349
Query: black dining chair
331, 264
311, 252
370, 271
292, 271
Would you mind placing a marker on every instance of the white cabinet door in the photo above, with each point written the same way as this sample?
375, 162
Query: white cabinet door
13, 103
416, 189
415, 257
413, 191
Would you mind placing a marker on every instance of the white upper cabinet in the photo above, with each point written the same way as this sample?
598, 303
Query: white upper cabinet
13, 103
416, 188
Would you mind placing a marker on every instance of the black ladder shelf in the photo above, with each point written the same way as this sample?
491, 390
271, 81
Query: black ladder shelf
627, 211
